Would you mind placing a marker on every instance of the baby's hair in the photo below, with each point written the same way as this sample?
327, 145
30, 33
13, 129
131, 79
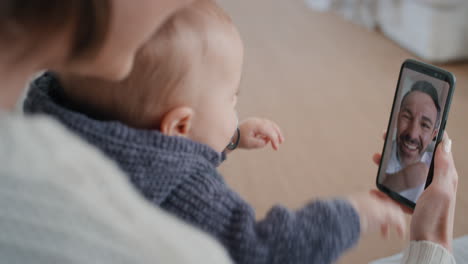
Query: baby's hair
161, 76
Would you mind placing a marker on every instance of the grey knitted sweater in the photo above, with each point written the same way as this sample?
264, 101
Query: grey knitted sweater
180, 176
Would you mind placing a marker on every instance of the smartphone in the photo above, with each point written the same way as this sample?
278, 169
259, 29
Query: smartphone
417, 123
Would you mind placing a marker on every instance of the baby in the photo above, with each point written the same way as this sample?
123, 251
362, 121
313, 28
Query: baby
167, 126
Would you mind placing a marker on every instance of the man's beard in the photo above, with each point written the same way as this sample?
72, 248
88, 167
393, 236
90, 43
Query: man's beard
410, 144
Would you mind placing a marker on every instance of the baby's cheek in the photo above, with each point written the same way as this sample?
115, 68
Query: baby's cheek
230, 132
228, 136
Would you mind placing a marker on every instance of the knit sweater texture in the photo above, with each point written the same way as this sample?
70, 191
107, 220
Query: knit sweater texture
180, 176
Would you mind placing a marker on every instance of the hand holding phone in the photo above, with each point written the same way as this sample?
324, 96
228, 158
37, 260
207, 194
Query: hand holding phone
417, 123
433, 218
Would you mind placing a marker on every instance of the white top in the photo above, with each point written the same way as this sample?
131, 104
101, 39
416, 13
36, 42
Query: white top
425, 252
394, 166
61, 201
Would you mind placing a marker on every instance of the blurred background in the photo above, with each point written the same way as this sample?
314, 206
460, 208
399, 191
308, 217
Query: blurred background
326, 72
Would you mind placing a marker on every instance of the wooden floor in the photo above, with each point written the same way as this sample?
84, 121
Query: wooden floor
329, 84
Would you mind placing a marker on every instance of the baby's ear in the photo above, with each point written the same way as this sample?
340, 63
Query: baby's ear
177, 122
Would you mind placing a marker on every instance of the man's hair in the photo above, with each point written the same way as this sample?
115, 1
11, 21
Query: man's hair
427, 88
163, 65
33, 21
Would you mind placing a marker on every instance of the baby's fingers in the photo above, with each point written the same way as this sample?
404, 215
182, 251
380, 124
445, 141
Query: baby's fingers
384, 231
396, 219
269, 131
278, 130
274, 142
257, 142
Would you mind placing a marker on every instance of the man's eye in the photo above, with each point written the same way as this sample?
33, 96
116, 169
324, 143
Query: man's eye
426, 126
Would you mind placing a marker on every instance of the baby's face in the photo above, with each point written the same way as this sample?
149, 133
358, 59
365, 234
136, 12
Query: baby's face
215, 119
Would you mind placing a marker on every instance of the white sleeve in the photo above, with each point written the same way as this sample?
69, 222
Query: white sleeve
425, 252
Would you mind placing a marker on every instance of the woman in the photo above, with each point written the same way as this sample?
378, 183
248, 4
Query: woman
61, 200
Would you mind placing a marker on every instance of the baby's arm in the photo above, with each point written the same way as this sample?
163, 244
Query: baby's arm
318, 233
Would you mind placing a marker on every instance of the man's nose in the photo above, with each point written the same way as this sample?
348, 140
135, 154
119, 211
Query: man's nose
413, 130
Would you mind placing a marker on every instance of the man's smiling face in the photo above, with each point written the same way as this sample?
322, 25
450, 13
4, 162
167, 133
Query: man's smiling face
416, 126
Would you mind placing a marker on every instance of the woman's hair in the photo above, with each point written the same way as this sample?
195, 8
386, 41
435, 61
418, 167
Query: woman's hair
33, 21
186, 42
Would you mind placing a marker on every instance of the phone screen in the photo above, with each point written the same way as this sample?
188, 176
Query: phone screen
414, 128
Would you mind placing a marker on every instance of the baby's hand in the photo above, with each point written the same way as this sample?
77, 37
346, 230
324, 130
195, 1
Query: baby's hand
377, 212
257, 133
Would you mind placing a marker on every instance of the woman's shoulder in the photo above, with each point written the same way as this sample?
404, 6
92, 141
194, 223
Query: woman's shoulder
32, 131
57, 186
43, 146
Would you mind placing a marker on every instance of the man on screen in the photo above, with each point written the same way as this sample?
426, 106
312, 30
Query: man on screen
417, 127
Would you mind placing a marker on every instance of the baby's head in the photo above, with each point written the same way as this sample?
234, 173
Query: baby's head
184, 81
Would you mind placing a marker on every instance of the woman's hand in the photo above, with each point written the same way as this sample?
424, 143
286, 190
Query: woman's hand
433, 216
